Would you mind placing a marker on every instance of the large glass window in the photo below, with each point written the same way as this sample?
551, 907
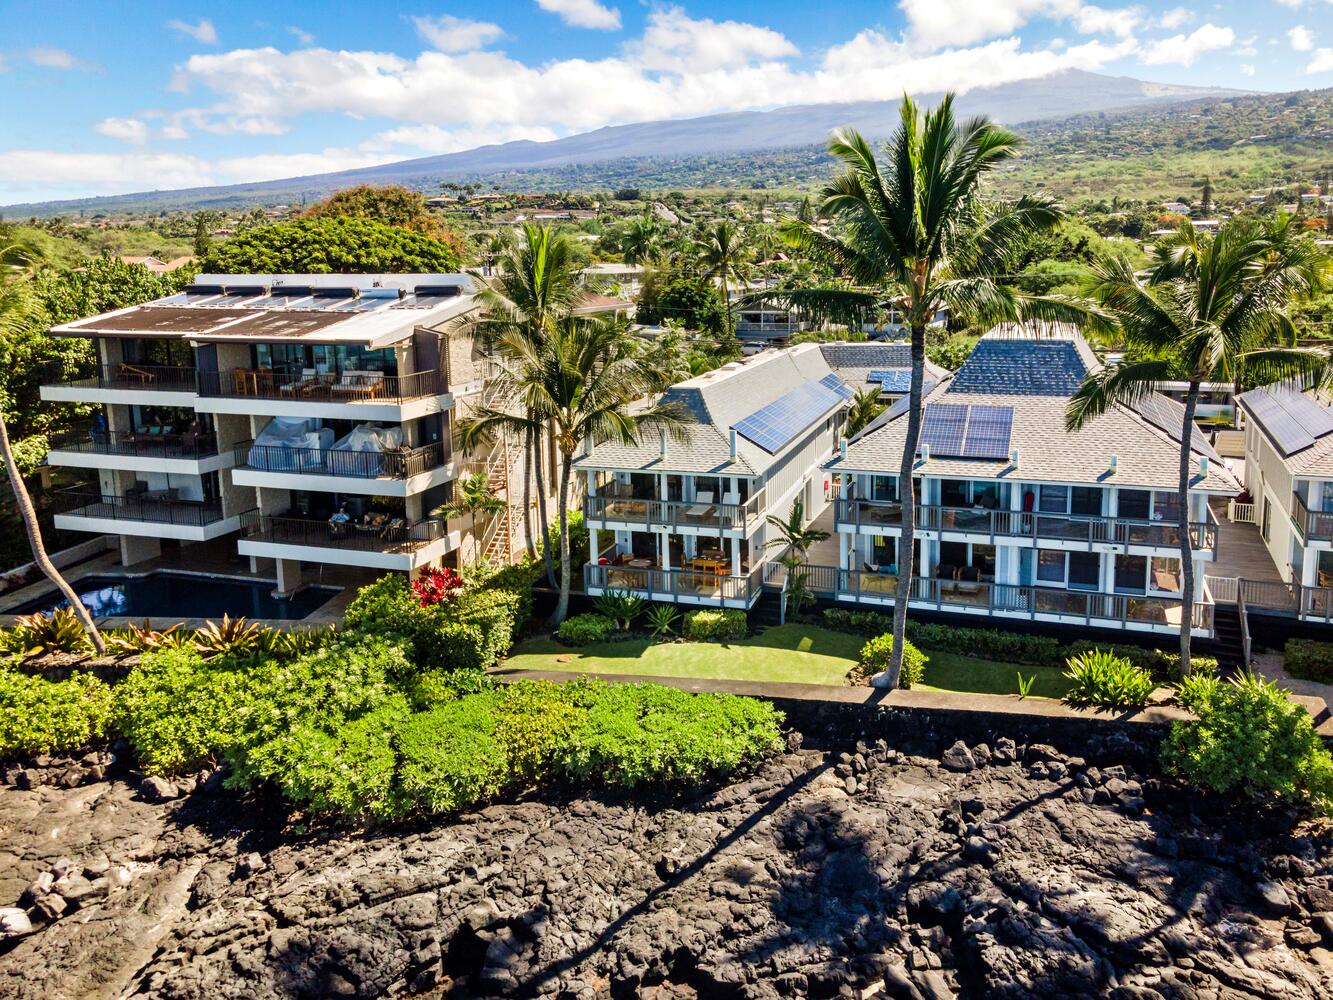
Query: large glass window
1327, 498
1165, 574
1165, 506
1085, 570
1131, 573
1135, 504
955, 493
883, 488
1054, 500
1086, 500
1051, 565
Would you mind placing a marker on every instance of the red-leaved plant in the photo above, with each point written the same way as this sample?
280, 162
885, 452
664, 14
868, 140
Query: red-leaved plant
437, 586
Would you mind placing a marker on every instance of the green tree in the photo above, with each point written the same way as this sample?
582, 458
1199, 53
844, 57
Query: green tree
795, 537
694, 303
391, 204
917, 230
579, 380
641, 240
725, 255
864, 408
331, 246
1212, 309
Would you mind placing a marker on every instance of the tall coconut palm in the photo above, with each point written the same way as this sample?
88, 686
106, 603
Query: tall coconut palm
641, 243
865, 407
917, 229
580, 381
540, 278
1213, 308
723, 254
15, 313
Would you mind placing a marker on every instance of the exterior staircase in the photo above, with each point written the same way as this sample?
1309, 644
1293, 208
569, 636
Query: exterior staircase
1227, 635
767, 611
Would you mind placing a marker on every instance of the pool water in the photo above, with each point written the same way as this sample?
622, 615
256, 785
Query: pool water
180, 595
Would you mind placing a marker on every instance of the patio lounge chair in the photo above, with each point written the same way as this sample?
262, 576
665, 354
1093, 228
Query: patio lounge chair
137, 374
969, 580
298, 388
703, 504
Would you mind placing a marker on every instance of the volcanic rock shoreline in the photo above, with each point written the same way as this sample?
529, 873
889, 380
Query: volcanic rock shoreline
982, 870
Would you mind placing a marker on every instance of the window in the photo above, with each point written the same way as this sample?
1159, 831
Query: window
1165, 574
1166, 507
1135, 504
883, 488
1054, 500
1085, 570
1268, 510
1051, 565
954, 493
1131, 573
1086, 500
1327, 495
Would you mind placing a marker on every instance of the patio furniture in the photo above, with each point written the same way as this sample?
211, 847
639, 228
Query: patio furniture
947, 573
640, 564
297, 389
968, 580
717, 567
1165, 580
703, 504
131, 372
353, 385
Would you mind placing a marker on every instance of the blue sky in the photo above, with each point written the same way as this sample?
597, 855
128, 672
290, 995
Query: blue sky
110, 97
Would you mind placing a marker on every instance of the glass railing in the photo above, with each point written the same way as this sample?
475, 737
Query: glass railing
675, 584
136, 444
672, 514
348, 387
399, 463
392, 535
147, 507
1312, 524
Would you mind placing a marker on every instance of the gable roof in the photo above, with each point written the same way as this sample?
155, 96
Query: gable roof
1312, 414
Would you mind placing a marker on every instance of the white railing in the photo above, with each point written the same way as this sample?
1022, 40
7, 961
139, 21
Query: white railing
1241, 513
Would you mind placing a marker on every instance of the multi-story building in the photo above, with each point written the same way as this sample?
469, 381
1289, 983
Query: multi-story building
1289, 474
686, 520
1018, 517
308, 416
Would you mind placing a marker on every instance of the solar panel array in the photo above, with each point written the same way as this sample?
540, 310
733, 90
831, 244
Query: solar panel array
1292, 419
1168, 415
953, 430
1021, 368
316, 298
774, 426
892, 380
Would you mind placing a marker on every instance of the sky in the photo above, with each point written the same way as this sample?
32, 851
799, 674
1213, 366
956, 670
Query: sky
112, 97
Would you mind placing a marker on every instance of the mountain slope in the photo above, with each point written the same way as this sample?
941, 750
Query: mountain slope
1069, 93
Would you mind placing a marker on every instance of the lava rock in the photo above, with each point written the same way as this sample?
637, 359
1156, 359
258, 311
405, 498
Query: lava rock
14, 922
157, 789
958, 758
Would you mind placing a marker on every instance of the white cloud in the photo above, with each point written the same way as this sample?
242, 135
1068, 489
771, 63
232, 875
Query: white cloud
1322, 62
1247, 69
938, 24
676, 43
433, 139
37, 173
583, 13
1300, 38
301, 35
273, 166
125, 129
1174, 18
455, 34
1182, 50
203, 32
1120, 22
49, 58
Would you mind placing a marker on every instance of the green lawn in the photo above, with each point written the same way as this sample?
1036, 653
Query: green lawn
803, 654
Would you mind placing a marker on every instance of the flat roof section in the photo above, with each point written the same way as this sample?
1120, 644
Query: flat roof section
160, 321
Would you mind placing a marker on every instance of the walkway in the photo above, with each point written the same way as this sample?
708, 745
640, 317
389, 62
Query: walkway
824, 553
1241, 551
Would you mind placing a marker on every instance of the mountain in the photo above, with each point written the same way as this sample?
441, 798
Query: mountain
1062, 94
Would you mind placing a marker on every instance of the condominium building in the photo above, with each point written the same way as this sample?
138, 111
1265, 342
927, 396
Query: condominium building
307, 416
1019, 517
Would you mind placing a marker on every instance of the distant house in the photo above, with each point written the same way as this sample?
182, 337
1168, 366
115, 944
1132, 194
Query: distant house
627, 277
1178, 207
596, 304
665, 214
155, 264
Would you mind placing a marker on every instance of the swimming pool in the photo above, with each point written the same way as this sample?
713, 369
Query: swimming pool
163, 594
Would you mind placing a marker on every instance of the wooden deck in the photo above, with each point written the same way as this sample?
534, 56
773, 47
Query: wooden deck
1241, 551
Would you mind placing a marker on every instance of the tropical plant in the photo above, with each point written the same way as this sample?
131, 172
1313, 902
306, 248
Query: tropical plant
331, 246
1102, 679
56, 631
131, 639
724, 255
875, 658
793, 535
1197, 690
662, 620
437, 585
641, 241
578, 383
389, 203
917, 231
473, 495
229, 636
287, 644
1211, 309
583, 629
622, 608
1025, 684
865, 407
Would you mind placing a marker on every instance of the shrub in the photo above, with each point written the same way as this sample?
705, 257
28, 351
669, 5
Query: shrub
583, 629
433, 688
1309, 660
144, 638
637, 733
450, 757
988, 643
387, 607
235, 636
1197, 690
535, 719
1105, 680
1158, 662
58, 631
1251, 739
177, 711
476, 629
621, 608
41, 716
876, 653
437, 586
727, 625
662, 619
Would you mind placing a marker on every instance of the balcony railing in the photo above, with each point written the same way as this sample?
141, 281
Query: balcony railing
126, 375
395, 536
1273, 597
674, 514
400, 463
1313, 525
676, 584
1026, 524
145, 507
1021, 601
136, 445
348, 387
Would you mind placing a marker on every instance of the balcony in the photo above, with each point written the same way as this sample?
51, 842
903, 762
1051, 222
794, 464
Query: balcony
680, 586
860, 515
395, 544
399, 472
121, 382
1274, 597
309, 386
132, 444
673, 515
153, 514
1312, 525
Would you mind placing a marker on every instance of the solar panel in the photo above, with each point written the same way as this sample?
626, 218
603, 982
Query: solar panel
1021, 368
838, 386
1292, 419
943, 428
773, 426
1168, 414
892, 380
988, 431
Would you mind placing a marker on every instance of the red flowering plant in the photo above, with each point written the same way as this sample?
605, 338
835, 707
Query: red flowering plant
437, 586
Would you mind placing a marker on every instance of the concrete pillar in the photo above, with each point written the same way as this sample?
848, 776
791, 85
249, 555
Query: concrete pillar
413, 506
663, 550
135, 549
735, 555
592, 546
1108, 573
289, 576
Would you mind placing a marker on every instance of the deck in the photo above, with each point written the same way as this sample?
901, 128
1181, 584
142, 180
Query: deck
1241, 551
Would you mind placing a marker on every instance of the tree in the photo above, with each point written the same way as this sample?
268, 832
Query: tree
641, 241
15, 312
724, 254
1212, 309
580, 380
331, 246
918, 231
864, 408
204, 223
796, 537
694, 303
391, 204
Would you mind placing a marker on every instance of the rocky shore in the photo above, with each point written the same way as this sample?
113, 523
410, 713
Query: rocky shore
996, 871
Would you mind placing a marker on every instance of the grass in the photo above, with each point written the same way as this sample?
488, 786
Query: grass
800, 654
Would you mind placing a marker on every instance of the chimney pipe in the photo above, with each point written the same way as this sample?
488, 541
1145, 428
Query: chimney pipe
1013, 458
662, 439
1115, 464
1203, 465
925, 452
842, 449
732, 435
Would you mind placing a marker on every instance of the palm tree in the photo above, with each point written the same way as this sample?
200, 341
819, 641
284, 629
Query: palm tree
918, 231
15, 314
796, 537
580, 381
473, 496
642, 239
1211, 309
865, 407
723, 253
540, 279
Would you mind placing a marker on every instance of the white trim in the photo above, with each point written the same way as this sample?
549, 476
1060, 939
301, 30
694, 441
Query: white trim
368, 409
149, 529
384, 487
141, 463
71, 393
332, 556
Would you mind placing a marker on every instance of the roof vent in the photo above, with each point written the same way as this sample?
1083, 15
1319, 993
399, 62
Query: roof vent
732, 435
924, 449
662, 442
842, 449
1115, 464
1013, 458
1203, 465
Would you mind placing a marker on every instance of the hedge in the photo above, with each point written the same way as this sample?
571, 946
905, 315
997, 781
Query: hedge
725, 626
41, 716
1309, 660
583, 629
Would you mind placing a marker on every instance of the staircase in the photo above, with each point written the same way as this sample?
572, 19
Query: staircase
767, 611
500, 533
1227, 635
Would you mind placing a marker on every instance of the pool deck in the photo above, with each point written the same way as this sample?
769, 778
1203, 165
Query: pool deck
206, 559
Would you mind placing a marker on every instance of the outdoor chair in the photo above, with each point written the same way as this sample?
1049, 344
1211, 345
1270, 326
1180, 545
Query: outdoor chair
703, 504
